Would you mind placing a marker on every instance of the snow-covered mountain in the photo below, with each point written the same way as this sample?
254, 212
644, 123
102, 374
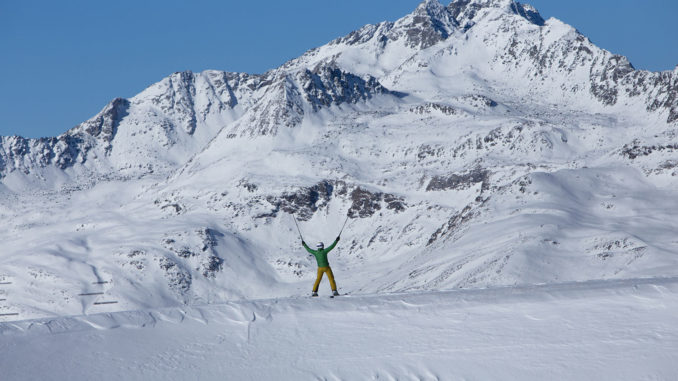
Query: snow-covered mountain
471, 145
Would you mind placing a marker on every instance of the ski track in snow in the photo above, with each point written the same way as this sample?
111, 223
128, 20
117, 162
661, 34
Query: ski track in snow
621, 330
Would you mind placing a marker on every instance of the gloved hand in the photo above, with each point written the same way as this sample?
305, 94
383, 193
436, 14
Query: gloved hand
303, 243
338, 237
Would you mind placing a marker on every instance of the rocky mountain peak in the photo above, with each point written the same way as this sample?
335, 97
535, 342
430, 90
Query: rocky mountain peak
464, 12
432, 8
528, 12
105, 124
290, 95
429, 24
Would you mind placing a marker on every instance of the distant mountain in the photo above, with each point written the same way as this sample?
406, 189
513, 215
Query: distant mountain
471, 145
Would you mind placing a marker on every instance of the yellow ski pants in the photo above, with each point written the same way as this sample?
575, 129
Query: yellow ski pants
330, 276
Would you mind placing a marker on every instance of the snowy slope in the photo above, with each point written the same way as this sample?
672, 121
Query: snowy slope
471, 145
621, 330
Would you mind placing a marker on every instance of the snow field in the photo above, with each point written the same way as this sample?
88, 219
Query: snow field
622, 330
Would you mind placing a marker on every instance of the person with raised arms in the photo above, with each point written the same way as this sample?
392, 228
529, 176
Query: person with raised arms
320, 255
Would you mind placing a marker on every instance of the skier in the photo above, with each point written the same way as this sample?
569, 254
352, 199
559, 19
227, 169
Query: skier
323, 265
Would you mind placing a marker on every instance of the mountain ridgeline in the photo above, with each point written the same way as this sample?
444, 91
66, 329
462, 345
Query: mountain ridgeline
260, 104
473, 144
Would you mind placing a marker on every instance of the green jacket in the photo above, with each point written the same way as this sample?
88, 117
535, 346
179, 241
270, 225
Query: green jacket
321, 255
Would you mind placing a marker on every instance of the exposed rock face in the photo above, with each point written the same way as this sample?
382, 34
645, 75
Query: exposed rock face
326, 86
431, 107
21, 154
179, 279
194, 249
105, 125
287, 95
306, 201
429, 24
635, 149
465, 11
366, 204
460, 181
606, 76
281, 106
453, 225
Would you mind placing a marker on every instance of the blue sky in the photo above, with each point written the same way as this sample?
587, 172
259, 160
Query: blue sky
62, 61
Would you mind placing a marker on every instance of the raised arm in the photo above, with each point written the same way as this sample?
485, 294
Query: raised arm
308, 248
332, 245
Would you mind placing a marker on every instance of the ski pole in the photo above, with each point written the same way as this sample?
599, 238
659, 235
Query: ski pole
299, 230
344, 225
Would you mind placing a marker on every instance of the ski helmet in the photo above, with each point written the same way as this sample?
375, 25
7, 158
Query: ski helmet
320, 245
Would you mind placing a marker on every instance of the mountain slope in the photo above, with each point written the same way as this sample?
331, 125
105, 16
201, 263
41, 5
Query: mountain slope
471, 145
